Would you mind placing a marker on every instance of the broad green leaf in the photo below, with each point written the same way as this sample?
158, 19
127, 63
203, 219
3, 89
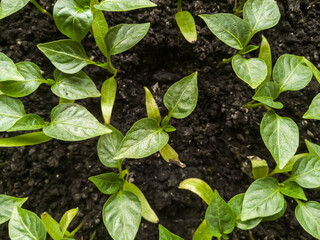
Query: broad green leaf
123, 5
66, 55
122, 215
220, 218
28, 122
229, 28
306, 172
7, 204
281, 136
277, 215
107, 183
235, 204
307, 215
267, 93
52, 226
26, 225
152, 107
25, 140
248, 49
11, 110
293, 190
108, 146
313, 111
72, 18
72, 122
262, 199
202, 232
124, 36
261, 14
147, 212
165, 234
265, 55
67, 218
9, 7
313, 149
291, 73
187, 25
181, 98
199, 187
315, 71
108, 95
289, 165
144, 138
253, 71
8, 70
260, 167
74, 86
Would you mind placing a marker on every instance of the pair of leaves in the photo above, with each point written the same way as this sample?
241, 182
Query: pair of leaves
8, 7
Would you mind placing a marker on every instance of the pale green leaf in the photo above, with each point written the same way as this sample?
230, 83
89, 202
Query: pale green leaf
123, 5
165, 234
315, 71
293, 190
8, 70
187, 25
267, 93
277, 215
313, 111
28, 122
52, 226
108, 95
313, 149
67, 218
202, 232
25, 140
11, 110
289, 165
107, 183
265, 55
7, 204
9, 7
152, 107
248, 49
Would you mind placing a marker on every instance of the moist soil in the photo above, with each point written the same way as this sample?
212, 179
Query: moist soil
214, 141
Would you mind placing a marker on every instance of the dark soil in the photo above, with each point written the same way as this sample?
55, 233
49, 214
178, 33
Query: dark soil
213, 141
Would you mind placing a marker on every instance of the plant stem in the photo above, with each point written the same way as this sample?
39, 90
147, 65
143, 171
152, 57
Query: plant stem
93, 235
240, 8
253, 105
34, 2
179, 5
4, 164
235, 6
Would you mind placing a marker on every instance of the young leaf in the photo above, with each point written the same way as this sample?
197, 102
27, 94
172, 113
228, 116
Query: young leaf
7, 204
267, 93
262, 199
229, 28
9, 7
52, 226
144, 138
187, 25
171, 156
265, 55
27, 122
66, 55
248, 49
8, 71
107, 183
26, 225
260, 167
108, 95
281, 136
315, 71
67, 218
220, 218
261, 14
122, 215
253, 71
72, 122
289, 165
202, 232
124, 36
313, 149
25, 140
123, 5
73, 19
165, 234
313, 111
307, 215
147, 212
152, 107
11, 110
291, 73
293, 190
199, 187
181, 98
74, 86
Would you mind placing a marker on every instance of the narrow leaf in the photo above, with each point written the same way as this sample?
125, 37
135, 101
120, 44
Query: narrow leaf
248, 49
202, 232
67, 218
165, 234
11, 110
171, 156
28, 122
123, 5
7, 204
187, 25
25, 140
152, 107
313, 111
108, 95
52, 226
265, 55
315, 71
107, 183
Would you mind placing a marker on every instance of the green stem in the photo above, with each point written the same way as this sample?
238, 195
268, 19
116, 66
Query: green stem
120, 168
253, 105
240, 8
4, 164
93, 235
34, 2
235, 6
179, 5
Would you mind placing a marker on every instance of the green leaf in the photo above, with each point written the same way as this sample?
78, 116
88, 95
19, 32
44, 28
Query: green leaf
307, 215
281, 136
74, 86
260, 167
253, 71
72, 18
72, 122
52, 226
107, 183
291, 73
11, 110
265, 55
261, 14
220, 218
199, 187
187, 25
277, 215
152, 107
289, 165
122, 215
66, 55
26, 225
8, 70
25, 140
315, 71
267, 93
123, 5
124, 36
313, 149
7, 204
108, 95
202, 232
181, 98
171, 156
306, 172
144, 138
230, 29
9, 7
248, 49
313, 111
147, 212
262, 199
67, 218
165, 234
28, 122
293, 190
235, 204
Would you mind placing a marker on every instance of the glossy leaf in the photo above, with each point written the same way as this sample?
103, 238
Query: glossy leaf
25, 140
122, 215
277, 215
289, 165
66, 55
187, 25
144, 138
262, 199
107, 183
267, 93
72, 18
9, 7
171, 156
72, 122
11, 110
67, 218
28, 122
181, 98
248, 49
293, 190
202, 232
265, 55
315, 71
291, 73
7, 204
260, 167
229, 28
313, 149
152, 107
253, 71
165, 234
8, 70
313, 111
281, 136
52, 226
124, 36
123, 5
108, 95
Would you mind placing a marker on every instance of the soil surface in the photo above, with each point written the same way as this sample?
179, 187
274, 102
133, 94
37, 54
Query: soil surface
214, 141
